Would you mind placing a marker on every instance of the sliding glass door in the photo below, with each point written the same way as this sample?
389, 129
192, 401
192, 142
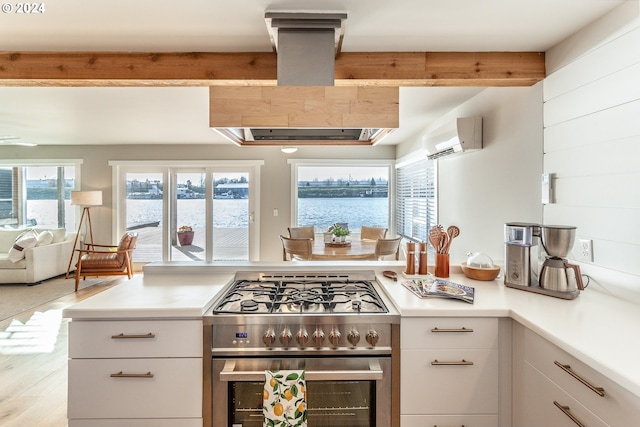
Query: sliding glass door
189, 213
231, 215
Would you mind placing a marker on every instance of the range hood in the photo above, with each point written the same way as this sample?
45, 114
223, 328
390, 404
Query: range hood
305, 108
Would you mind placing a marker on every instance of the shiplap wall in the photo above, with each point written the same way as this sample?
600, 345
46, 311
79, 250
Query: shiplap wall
592, 146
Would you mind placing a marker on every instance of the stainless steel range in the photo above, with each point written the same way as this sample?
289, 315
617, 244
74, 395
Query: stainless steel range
337, 327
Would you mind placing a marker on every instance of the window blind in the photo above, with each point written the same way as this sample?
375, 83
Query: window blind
416, 199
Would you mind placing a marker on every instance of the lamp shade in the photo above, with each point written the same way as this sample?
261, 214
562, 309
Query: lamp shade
86, 198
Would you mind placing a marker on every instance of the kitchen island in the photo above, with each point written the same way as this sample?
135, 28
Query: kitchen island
595, 329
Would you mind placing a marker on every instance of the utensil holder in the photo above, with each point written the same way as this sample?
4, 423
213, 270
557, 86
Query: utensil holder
442, 266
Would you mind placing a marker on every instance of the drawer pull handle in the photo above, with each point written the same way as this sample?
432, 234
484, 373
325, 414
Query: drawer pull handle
567, 368
123, 375
123, 336
463, 329
454, 363
565, 410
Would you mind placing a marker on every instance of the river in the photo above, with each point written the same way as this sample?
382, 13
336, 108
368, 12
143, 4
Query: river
233, 213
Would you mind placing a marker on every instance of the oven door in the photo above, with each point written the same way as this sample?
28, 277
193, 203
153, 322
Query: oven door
341, 391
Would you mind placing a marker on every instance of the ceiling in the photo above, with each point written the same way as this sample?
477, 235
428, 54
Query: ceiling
170, 115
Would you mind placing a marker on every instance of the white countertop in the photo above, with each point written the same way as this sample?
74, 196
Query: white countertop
596, 328
161, 296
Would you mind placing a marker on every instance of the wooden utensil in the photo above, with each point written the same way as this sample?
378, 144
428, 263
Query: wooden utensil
444, 243
391, 275
434, 237
453, 232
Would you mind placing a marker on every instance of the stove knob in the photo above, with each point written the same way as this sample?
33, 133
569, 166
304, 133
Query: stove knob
285, 337
269, 337
318, 337
372, 338
302, 337
334, 337
353, 337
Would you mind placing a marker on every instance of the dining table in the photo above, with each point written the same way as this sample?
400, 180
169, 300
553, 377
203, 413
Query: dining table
356, 249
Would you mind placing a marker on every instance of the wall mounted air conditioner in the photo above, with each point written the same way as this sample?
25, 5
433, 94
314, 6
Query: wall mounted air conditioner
466, 136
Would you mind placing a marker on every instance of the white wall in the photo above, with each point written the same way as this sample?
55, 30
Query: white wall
592, 145
480, 191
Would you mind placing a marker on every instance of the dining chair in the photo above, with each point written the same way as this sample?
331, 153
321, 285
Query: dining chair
388, 247
372, 233
298, 249
107, 260
302, 232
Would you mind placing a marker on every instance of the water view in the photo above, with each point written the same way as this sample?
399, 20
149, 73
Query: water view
356, 211
233, 213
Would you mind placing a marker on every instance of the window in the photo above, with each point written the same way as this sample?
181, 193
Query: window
37, 194
356, 193
416, 210
190, 210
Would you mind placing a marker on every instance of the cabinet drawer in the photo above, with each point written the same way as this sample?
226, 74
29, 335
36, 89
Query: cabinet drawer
430, 388
449, 332
541, 396
144, 338
174, 422
447, 420
172, 388
618, 407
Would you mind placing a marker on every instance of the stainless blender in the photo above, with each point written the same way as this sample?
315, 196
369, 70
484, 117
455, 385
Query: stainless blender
557, 241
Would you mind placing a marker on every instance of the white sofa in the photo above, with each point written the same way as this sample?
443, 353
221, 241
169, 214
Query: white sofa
40, 262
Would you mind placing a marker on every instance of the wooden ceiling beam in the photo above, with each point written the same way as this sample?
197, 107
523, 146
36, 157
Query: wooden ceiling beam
480, 69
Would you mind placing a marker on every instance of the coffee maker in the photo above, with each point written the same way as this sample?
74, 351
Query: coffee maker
521, 254
557, 241
541, 269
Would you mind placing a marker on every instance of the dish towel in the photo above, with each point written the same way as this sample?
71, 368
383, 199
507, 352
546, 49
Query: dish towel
284, 399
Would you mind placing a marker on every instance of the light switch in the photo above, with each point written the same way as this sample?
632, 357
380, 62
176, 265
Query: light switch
546, 189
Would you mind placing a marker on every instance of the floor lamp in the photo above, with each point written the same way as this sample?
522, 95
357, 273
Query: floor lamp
86, 199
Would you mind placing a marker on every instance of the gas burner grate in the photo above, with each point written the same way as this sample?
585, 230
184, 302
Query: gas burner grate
294, 295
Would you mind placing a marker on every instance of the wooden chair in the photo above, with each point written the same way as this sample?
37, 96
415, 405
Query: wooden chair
107, 260
302, 232
372, 233
388, 247
299, 249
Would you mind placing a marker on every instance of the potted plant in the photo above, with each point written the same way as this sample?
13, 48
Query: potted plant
340, 232
185, 235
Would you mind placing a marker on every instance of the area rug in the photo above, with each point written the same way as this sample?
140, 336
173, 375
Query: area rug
17, 298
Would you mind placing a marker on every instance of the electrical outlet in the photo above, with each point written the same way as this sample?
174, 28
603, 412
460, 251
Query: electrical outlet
585, 250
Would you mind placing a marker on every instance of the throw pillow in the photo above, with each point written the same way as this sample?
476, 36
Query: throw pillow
45, 237
59, 235
24, 241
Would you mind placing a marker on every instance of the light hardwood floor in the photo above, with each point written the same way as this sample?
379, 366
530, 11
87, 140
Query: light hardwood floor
33, 382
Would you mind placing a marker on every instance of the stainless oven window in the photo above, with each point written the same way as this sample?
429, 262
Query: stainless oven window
341, 391
329, 403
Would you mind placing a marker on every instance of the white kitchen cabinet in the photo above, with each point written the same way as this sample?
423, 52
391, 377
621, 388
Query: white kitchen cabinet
449, 420
544, 374
449, 371
135, 373
550, 406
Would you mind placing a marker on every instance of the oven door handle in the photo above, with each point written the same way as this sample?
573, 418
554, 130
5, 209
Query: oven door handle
229, 373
